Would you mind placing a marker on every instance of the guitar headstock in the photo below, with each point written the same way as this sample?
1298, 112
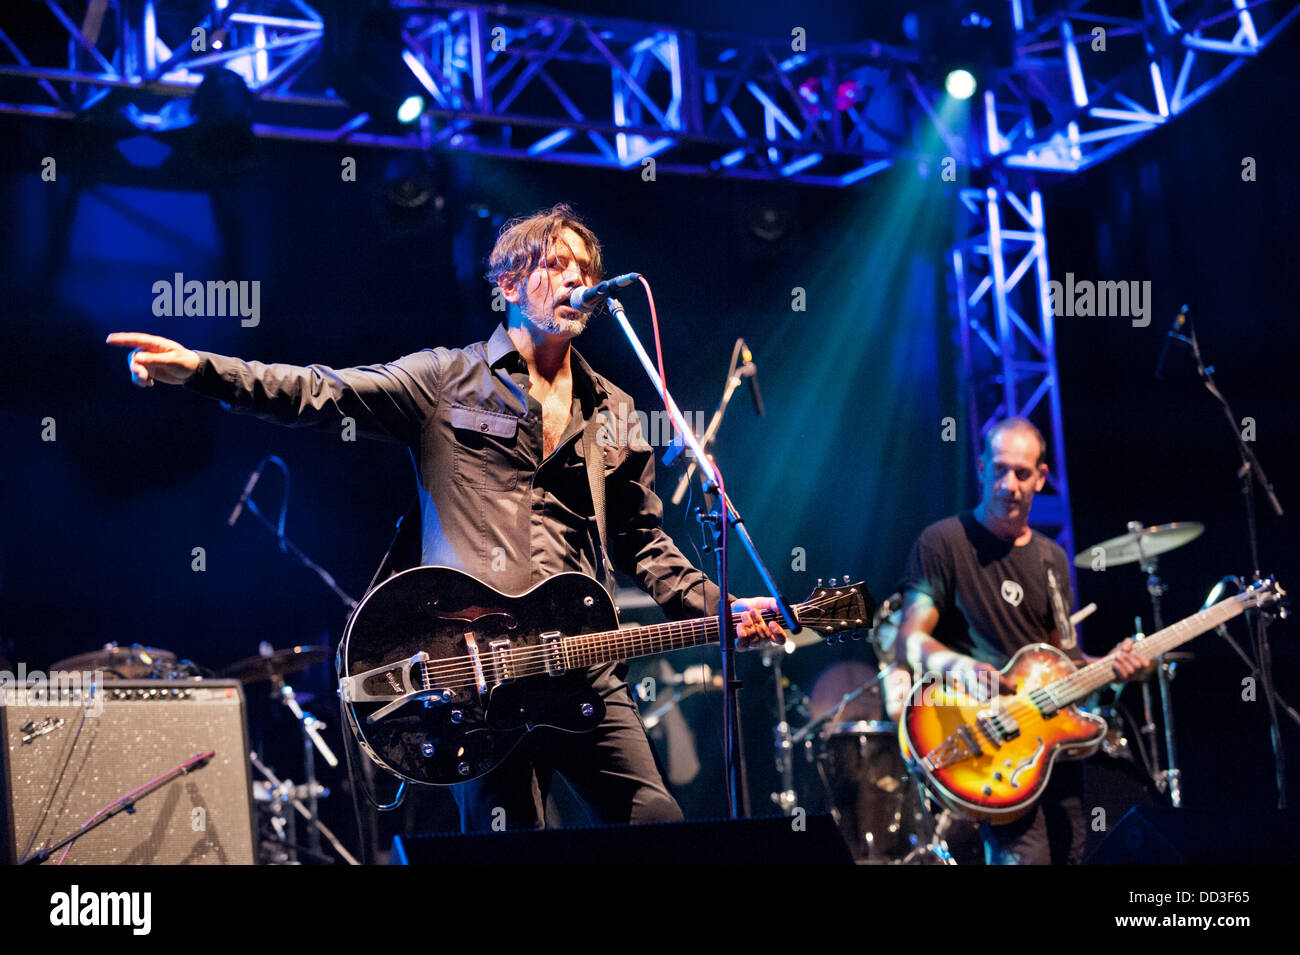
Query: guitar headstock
837, 608
1264, 595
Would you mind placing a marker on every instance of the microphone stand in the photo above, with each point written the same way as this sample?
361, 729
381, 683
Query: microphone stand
734, 378
124, 804
1249, 472
289, 547
724, 513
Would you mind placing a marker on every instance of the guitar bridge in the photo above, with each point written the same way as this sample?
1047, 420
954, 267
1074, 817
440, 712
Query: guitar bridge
961, 745
472, 645
394, 677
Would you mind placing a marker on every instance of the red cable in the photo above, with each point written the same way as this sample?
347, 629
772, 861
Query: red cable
659, 352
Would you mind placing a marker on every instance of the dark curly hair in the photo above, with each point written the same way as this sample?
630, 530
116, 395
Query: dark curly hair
523, 243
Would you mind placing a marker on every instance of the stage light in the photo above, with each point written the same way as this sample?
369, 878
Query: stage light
223, 112
411, 109
960, 84
365, 55
962, 44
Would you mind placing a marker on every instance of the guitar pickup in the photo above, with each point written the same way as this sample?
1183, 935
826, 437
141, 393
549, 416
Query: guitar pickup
1046, 704
553, 652
999, 727
501, 661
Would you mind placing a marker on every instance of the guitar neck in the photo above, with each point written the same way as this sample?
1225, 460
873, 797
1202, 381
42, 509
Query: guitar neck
1096, 675
594, 649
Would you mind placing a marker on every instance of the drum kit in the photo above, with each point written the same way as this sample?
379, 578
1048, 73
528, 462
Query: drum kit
277, 799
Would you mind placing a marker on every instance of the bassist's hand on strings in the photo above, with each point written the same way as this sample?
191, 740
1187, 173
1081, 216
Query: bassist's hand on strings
1128, 664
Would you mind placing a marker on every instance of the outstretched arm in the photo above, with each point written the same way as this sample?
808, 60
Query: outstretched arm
386, 401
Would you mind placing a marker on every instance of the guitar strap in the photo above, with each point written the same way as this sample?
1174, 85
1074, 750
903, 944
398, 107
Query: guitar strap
593, 452
1060, 614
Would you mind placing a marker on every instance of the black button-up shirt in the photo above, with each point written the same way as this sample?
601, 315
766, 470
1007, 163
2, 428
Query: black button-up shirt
491, 503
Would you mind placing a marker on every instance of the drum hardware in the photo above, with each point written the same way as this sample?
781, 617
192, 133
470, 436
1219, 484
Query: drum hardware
1222, 631
882, 812
692, 680
277, 795
134, 662
1143, 545
787, 800
274, 665
270, 664
1139, 545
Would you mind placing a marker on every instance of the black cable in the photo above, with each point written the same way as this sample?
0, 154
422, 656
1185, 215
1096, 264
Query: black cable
67, 760
366, 853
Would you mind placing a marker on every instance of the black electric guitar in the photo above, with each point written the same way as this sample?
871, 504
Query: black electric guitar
441, 675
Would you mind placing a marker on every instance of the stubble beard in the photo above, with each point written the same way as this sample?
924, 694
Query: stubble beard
553, 324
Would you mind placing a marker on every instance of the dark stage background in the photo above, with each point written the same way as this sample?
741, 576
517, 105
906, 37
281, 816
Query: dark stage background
849, 464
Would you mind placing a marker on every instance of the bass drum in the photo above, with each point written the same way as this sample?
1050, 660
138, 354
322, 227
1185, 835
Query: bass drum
872, 796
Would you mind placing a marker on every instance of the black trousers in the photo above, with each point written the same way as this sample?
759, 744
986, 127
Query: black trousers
612, 768
1055, 833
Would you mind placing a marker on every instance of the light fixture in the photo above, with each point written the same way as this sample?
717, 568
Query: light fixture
960, 84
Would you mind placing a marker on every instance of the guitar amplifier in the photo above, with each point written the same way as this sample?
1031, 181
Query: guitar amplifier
67, 756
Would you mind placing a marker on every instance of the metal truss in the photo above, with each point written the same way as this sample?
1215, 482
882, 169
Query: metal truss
553, 87
1008, 337
500, 81
1076, 96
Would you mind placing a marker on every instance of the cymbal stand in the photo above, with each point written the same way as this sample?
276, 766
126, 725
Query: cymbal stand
284, 791
1169, 779
787, 800
311, 741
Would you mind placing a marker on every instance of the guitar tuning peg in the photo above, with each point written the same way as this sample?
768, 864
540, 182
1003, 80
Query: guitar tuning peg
819, 581
846, 580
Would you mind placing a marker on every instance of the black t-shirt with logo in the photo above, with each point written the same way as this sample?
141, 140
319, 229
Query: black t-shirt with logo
992, 596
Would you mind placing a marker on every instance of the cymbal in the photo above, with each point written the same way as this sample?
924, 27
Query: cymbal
1137, 544
278, 663
131, 663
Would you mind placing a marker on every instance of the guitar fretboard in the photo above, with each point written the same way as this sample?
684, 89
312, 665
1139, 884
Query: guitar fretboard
593, 649
1086, 679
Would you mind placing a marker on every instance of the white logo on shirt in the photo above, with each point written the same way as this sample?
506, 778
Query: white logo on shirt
1012, 592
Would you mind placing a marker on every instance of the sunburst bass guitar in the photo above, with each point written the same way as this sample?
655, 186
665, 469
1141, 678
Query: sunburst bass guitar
990, 760
442, 676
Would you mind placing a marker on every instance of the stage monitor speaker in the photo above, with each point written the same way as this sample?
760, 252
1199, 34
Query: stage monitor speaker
1228, 836
740, 842
61, 771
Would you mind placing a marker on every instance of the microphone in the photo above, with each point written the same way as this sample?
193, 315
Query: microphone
586, 298
1179, 321
243, 498
750, 371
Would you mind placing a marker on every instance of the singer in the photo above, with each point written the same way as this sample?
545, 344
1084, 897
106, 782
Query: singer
500, 432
